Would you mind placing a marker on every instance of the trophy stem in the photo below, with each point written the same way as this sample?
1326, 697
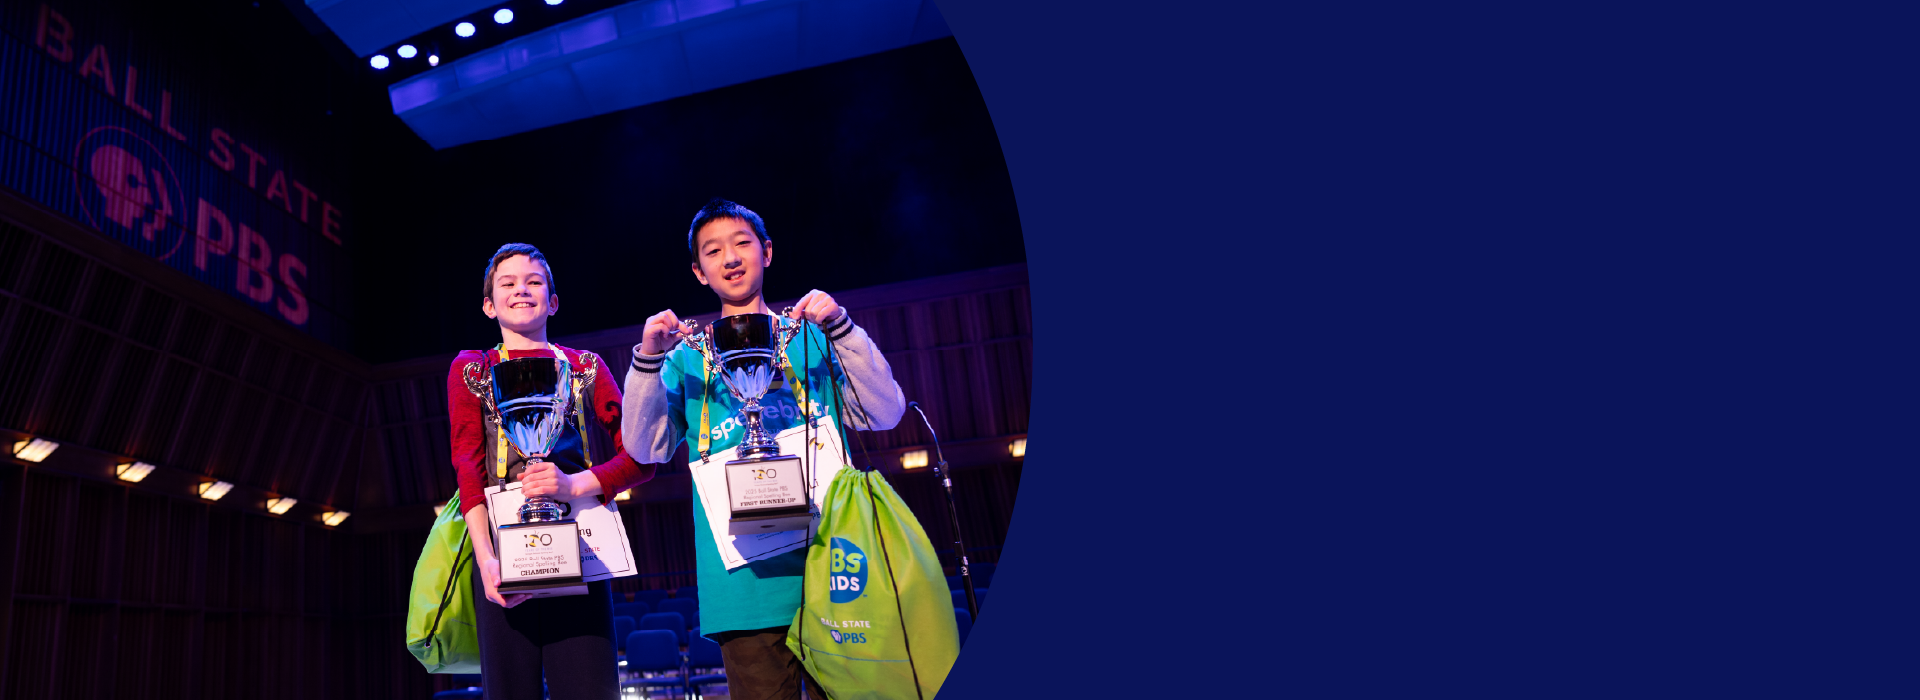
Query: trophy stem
757, 443
539, 509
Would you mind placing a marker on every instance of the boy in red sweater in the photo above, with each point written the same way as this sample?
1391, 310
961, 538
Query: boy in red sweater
568, 640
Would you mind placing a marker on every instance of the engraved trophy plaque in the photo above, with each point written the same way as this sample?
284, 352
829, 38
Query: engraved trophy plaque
533, 401
766, 490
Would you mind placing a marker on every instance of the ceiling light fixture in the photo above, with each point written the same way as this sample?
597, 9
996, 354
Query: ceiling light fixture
133, 472
35, 449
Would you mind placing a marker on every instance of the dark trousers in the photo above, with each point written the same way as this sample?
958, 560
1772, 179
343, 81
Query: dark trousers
567, 640
760, 666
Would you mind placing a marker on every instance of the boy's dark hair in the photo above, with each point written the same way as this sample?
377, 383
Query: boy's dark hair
511, 249
723, 209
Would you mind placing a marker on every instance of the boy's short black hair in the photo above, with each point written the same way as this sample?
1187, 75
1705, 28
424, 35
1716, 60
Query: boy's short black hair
723, 209
511, 249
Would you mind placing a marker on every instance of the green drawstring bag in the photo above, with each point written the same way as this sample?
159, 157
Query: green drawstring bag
441, 626
876, 620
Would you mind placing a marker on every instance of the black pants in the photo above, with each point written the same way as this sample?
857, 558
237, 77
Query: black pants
568, 640
760, 666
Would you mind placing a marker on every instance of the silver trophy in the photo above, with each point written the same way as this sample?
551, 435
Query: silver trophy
532, 401
766, 490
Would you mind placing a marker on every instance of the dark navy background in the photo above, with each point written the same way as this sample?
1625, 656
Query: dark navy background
1422, 351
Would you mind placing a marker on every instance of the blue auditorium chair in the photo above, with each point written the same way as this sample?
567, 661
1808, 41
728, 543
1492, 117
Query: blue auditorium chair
964, 621
657, 652
689, 592
688, 608
651, 596
704, 655
982, 574
633, 610
979, 596
622, 626
669, 621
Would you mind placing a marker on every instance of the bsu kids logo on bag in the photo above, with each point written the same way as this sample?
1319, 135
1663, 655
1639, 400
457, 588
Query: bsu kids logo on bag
849, 577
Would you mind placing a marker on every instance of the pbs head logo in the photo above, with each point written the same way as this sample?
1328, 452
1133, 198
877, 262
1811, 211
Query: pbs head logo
123, 181
849, 570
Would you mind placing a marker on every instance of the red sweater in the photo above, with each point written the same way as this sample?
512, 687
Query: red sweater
470, 435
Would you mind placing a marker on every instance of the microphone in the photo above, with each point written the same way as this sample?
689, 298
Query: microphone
953, 515
915, 405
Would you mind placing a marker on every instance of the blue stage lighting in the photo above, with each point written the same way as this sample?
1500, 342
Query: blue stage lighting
407, 51
555, 2
464, 29
379, 61
433, 60
503, 16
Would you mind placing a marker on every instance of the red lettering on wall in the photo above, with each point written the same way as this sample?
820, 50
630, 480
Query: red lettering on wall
133, 78
255, 259
222, 151
166, 120
278, 185
97, 64
297, 313
204, 215
55, 27
253, 166
306, 197
328, 224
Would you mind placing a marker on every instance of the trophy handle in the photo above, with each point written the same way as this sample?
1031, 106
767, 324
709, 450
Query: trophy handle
702, 343
480, 385
784, 334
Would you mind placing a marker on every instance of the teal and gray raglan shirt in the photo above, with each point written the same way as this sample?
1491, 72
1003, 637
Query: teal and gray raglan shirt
663, 398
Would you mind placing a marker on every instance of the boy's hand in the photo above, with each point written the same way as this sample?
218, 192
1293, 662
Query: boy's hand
546, 479
817, 306
490, 584
663, 331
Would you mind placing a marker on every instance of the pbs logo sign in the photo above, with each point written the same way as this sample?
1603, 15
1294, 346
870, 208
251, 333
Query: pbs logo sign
122, 178
849, 572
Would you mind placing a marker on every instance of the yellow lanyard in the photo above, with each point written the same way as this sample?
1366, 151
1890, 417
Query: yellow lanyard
706, 395
500, 425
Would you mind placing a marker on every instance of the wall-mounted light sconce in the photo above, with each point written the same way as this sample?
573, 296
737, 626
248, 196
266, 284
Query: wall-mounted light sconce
334, 519
213, 490
914, 460
133, 472
35, 449
1018, 448
279, 506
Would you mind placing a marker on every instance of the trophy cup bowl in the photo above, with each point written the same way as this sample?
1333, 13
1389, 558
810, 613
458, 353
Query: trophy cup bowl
534, 400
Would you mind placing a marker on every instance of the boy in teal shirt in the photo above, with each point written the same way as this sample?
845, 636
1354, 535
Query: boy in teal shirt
748, 609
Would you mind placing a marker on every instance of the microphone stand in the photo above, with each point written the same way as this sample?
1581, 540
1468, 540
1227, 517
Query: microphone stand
953, 514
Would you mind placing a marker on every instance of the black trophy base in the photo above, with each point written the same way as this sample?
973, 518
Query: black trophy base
550, 588
761, 522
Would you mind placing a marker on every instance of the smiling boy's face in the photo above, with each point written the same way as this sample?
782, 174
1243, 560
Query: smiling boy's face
520, 300
731, 259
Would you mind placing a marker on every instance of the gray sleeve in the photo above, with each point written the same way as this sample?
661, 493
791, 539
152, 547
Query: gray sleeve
646, 420
873, 388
